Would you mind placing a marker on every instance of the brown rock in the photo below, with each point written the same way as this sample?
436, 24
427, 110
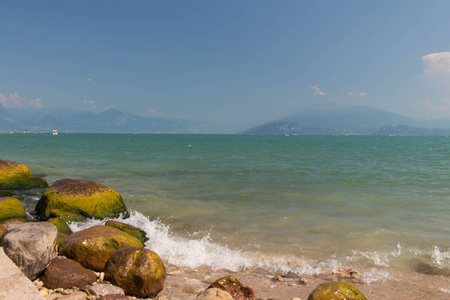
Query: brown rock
233, 286
92, 247
66, 273
60, 237
138, 271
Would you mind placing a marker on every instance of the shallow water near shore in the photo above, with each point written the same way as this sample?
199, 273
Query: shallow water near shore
307, 204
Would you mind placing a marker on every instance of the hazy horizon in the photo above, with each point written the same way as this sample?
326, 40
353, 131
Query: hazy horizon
231, 64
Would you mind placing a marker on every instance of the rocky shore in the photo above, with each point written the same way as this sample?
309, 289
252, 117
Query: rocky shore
43, 259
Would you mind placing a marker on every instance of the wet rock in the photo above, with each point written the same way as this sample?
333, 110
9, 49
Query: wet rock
30, 246
138, 271
74, 200
336, 291
66, 273
92, 247
61, 225
17, 176
103, 289
233, 286
60, 238
11, 208
131, 230
213, 294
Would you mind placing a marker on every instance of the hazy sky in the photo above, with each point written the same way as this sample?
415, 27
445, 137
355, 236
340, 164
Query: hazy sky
233, 64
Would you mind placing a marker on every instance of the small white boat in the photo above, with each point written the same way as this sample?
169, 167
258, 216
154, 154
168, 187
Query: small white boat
55, 132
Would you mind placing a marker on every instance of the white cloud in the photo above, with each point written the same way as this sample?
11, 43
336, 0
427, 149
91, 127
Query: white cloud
352, 94
437, 63
152, 112
432, 109
15, 101
88, 101
317, 90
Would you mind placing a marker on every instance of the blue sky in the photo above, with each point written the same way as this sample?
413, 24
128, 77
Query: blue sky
232, 64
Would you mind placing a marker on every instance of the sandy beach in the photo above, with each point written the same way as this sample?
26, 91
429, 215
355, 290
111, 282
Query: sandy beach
185, 283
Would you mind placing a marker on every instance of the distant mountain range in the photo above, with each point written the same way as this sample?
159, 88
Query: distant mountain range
109, 121
330, 118
318, 119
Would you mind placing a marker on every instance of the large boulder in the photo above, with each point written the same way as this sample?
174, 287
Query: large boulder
234, 287
17, 176
11, 208
30, 246
66, 273
138, 271
336, 291
92, 247
130, 229
74, 200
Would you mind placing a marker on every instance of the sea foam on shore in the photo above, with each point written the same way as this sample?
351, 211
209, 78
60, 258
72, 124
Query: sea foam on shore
193, 253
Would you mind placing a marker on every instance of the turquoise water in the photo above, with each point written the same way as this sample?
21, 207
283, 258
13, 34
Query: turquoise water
304, 203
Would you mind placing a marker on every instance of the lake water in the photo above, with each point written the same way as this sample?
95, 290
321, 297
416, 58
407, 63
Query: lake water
308, 204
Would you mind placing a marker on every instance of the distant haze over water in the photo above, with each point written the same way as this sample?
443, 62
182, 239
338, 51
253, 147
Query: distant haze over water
303, 203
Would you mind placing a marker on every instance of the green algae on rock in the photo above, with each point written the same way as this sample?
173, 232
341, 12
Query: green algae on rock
74, 200
138, 271
336, 291
93, 246
61, 225
11, 208
131, 230
17, 176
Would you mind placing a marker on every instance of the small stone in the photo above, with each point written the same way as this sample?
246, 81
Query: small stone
103, 289
233, 286
44, 292
214, 294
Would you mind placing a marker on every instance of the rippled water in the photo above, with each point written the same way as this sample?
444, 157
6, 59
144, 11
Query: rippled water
308, 202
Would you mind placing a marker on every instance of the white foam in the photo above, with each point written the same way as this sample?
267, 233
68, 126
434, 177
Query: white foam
199, 250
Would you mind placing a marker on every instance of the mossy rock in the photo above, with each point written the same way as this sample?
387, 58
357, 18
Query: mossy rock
75, 200
93, 247
61, 225
17, 176
2, 230
11, 208
131, 230
336, 291
138, 271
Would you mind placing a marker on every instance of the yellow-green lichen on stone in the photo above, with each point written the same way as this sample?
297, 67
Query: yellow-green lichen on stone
131, 230
17, 176
11, 208
61, 225
336, 291
93, 246
72, 199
